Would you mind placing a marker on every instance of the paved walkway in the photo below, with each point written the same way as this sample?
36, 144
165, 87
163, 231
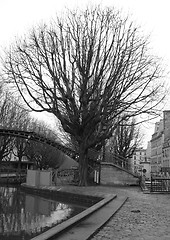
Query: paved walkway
142, 217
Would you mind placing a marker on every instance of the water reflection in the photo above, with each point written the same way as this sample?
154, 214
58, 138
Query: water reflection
23, 216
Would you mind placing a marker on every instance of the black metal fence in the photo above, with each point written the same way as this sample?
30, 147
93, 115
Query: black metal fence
71, 176
68, 176
160, 184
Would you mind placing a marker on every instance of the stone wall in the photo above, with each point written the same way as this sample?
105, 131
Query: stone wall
112, 174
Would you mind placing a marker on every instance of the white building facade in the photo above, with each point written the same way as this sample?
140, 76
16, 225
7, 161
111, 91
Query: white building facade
166, 143
138, 156
160, 145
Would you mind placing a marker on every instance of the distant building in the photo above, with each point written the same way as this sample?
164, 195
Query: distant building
148, 151
160, 145
156, 147
166, 143
145, 165
138, 156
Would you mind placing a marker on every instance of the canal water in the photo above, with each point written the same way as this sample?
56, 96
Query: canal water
24, 216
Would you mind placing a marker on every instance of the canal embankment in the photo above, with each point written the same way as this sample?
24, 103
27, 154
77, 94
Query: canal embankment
104, 205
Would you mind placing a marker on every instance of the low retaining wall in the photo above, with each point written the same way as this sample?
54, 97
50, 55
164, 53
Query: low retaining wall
54, 193
112, 174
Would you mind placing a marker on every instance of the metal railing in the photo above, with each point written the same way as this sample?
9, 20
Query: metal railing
68, 176
71, 176
121, 162
92, 156
160, 184
12, 170
11, 175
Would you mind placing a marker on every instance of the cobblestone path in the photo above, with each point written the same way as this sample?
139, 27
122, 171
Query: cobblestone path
143, 217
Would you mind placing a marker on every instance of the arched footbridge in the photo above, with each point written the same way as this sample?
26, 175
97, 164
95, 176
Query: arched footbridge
38, 138
93, 155
32, 136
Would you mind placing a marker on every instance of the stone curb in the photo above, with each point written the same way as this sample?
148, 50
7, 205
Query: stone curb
72, 221
87, 228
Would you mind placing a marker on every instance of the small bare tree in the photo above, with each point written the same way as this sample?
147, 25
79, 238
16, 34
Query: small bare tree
87, 69
126, 139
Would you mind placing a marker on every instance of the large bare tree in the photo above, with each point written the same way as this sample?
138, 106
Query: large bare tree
86, 68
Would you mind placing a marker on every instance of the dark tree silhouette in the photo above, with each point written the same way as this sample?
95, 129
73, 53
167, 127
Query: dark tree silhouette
43, 155
11, 115
20, 144
87, 69
126, 139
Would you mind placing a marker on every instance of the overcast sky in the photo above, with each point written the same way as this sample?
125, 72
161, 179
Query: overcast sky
18, 16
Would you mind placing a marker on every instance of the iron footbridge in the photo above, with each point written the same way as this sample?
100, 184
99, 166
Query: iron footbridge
38, 138
92, 155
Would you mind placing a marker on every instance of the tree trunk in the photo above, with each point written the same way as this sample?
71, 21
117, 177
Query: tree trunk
19, 162
104, 152
1, 157
83, 166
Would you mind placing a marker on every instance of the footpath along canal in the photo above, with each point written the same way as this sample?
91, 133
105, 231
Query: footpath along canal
142, 217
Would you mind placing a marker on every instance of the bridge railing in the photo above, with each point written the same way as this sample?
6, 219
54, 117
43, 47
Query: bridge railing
71, 176
122, 162
11, 175
38, 138
66, 176
12, 170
